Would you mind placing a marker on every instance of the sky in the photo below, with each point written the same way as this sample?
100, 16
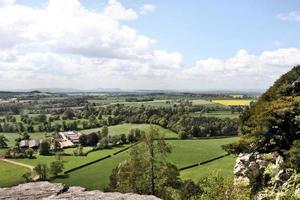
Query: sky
147, 44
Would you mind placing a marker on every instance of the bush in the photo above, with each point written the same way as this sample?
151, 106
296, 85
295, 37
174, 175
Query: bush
294, 156
219, 188
29, 152
42, 171
27, 177
56, 167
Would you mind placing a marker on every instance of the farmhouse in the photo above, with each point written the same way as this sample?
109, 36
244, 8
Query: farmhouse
29, 143
68, 139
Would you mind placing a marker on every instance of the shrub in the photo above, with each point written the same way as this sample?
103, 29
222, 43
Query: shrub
294, 155
56, 167
29, 152
42, 171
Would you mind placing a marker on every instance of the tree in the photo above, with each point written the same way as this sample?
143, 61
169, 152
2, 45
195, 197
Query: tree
104, 131
123, 138
103, 143
41, 170
82, 140
155, 146
3, 141
146, 171
56, 167
92, 139
44, 148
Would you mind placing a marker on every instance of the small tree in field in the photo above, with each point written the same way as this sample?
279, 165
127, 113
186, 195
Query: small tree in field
42, 171
56, 167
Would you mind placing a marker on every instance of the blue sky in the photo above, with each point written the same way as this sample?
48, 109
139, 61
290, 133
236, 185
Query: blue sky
212, 28
194, 39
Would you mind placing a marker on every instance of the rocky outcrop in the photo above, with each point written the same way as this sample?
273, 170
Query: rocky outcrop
267, 176
56, 191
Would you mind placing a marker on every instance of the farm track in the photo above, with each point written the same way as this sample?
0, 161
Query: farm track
35, 178
17, 163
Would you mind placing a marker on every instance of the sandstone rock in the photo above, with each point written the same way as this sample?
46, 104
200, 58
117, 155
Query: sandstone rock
58, 191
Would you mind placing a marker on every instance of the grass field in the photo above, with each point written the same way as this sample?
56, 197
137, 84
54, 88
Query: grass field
223, 166
185, 152
125, 128
94, 176
11, 174
224, 114
71, 161
234, 102
201, 102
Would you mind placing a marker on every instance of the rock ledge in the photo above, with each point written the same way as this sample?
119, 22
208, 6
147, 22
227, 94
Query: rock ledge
56, 191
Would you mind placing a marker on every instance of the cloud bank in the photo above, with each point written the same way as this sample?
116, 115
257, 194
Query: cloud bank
64, 44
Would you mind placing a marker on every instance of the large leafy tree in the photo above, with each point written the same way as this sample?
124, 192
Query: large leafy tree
147, 171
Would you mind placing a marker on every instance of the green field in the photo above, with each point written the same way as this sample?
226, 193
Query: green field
223, 166
201, 102
185, 152
94, 176
125, 128
71, 161
11, 174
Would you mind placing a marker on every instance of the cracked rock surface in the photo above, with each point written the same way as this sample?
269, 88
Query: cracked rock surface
58, 191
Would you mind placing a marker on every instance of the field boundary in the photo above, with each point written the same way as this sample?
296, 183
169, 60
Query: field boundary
87, 164
100, 159
203, 162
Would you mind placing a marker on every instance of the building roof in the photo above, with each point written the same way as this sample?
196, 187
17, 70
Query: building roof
29, 143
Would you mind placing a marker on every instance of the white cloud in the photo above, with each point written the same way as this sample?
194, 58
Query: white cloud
65, 44
291, 16
117, 11
243, 70
6, 2
147, 8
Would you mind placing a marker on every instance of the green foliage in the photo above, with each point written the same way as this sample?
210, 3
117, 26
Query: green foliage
294, 155
29, 152
219, 188
139, 174
27, 177
271, 124
56, 167
44, 148
3, 141
42, 171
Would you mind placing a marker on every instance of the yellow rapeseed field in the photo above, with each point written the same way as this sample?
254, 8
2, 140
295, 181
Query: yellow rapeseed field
234, 102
